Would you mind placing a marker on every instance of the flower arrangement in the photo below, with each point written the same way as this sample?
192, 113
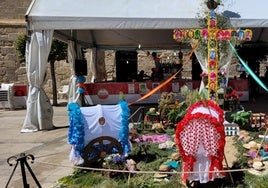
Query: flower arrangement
179, 109
114, 161
221, 76
232, 99
232, 94
166, 99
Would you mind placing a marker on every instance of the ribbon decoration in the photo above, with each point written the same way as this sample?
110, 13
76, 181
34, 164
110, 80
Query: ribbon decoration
156, 88
167, 81
193, 49
254, 76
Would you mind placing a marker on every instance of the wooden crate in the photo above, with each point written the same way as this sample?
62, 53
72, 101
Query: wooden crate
258, 120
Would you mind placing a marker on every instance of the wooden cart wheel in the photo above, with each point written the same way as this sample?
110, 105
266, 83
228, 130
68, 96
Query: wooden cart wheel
98, 148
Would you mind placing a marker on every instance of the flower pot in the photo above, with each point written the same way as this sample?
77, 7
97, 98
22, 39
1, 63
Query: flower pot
227, 115
230, 105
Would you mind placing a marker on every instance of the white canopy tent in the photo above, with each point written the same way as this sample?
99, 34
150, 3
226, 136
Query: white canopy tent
115, 25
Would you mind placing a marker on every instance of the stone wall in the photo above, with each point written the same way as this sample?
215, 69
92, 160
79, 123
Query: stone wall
13, 9
9, 62
12, 25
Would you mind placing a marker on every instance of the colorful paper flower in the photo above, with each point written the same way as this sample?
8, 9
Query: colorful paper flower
197, 34
212, 64
204, 34
213, 76
212, 55
233, 94
212, 23
177, 34
227, 34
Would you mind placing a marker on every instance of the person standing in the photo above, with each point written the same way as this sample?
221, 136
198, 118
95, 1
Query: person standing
158, 71
140, 76
243, 75
254, 90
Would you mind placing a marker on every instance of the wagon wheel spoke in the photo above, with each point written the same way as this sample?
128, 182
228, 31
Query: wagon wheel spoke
93, 150
90, 155
90, 152
101, 144
109, 147
100, 152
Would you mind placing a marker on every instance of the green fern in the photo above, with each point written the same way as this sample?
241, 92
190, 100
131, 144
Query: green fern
241, 117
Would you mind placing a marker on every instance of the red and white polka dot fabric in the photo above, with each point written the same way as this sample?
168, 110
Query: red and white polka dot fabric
200, 137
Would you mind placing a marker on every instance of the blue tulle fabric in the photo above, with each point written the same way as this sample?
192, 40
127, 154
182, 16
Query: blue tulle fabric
124, 130
76, 129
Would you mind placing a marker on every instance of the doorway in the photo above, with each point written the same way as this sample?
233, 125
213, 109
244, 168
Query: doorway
196, 69
126, 66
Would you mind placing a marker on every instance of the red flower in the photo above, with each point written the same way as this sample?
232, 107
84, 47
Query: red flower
227, 95
212, 64
233, 95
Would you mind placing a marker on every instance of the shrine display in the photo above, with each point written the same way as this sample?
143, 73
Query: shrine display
200, 137
215, 66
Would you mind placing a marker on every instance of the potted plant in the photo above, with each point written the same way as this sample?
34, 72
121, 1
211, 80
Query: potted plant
178, 109
231, 97
177, 112
165, 102
242, 118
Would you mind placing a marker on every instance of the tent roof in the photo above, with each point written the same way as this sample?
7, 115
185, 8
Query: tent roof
127, 23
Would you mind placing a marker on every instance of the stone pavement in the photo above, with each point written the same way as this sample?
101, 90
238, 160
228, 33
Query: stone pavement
50, 148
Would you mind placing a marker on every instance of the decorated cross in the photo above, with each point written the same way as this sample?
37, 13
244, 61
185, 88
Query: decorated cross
212, 35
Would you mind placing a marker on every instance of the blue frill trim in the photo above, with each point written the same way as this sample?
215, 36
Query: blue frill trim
124, 130
76, 129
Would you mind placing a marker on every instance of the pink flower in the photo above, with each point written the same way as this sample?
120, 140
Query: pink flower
204, 34
223, 72
213, 76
